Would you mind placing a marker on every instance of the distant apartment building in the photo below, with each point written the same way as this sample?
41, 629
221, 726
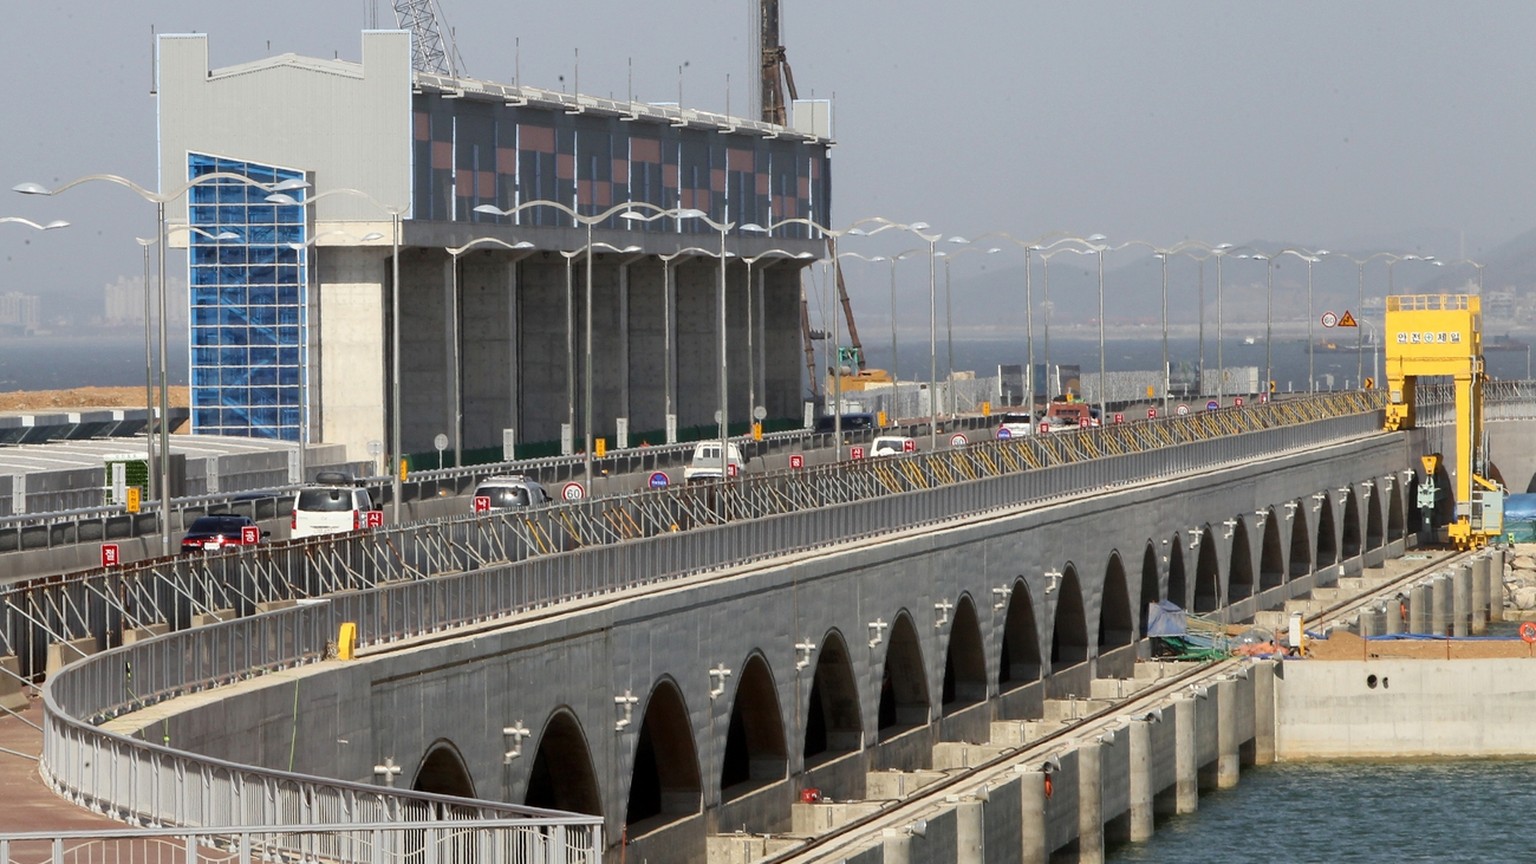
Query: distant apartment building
124, 302
18, 312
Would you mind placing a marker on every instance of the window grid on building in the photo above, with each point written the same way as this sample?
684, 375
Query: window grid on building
249, 304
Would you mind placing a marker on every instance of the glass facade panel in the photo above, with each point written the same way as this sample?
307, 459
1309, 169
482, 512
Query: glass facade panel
248, 376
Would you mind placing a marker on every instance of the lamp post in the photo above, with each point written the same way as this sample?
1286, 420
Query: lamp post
1221, 367
1098, 246
624, 210
932, 240
949, 321
149, 390
397, 445
159, 199
752, 295
454, 253
1046, 253
1360, 298
724, 228
669, 372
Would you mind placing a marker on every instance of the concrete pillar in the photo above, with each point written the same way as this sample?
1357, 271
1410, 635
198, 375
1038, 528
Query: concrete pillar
1394, 622
1495, 585
1367, 625
1418, 608
1140, 769
1090, 803
896, 846
1186, 767
1227, 764
1033, 848
1263, 675
970, 832
1461, 601
1439, 604
1480, 595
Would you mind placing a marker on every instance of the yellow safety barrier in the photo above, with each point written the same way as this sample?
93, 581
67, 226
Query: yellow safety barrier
346, 641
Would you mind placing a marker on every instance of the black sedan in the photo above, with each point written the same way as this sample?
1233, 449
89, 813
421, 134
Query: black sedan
221, 532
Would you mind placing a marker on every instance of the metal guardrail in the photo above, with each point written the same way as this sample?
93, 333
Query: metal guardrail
101, 604
496, 841
482, 569
48, 530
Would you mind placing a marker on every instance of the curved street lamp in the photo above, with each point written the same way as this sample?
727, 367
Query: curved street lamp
1360, 300
1046, 253
454, 253
624, 210
41, 226
1029, 246
724, 228
160, 199
149, 390
949, 321
1163, 254
753, 296
669, 301
397, 445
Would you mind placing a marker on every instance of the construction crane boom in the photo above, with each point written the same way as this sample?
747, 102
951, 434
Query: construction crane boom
776, 77
429, 52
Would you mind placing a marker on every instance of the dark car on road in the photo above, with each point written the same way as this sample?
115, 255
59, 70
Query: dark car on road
220, 532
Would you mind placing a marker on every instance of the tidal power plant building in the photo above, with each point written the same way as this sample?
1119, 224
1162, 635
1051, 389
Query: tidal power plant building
292, 326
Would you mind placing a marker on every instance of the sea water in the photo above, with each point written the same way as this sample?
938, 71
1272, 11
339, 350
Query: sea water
117, 359
1356, 811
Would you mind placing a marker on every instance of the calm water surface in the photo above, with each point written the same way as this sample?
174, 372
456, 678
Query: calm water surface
1376, 812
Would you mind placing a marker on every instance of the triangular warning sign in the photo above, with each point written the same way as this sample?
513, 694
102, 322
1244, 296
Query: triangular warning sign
1348, 320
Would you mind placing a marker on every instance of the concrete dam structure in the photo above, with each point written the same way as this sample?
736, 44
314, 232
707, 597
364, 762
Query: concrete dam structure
687, 713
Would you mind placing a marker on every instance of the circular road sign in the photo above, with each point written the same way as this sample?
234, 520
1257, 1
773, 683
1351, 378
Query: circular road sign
658, 480
1003, 434
759, 412
957, 440
1183, 409
573, 491
440, 441
1330, 319
1212, 405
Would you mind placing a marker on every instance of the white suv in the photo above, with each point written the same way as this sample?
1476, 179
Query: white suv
1017, 423
333, 505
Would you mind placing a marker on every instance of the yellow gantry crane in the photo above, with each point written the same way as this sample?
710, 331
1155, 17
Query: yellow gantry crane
1441, 335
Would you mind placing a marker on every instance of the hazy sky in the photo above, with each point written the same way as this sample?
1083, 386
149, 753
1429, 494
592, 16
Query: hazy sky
1317, 123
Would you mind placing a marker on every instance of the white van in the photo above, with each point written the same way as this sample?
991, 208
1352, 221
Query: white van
705, 464
330, 506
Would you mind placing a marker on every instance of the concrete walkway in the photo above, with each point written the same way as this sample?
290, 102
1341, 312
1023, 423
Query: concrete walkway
25, 803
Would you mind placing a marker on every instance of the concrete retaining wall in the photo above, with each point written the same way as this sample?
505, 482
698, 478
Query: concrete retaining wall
1345, 709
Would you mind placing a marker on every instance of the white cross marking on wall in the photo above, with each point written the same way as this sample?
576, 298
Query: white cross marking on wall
517, 733
625, 703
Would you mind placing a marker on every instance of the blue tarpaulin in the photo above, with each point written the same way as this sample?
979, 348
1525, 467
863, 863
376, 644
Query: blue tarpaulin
1166, 619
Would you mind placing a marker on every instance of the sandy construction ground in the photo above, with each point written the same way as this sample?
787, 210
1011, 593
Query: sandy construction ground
85, 397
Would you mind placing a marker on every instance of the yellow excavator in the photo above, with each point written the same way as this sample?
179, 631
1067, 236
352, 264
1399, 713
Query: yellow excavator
1441, 335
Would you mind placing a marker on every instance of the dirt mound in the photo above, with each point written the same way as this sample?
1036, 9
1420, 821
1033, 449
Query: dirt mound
86, 397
